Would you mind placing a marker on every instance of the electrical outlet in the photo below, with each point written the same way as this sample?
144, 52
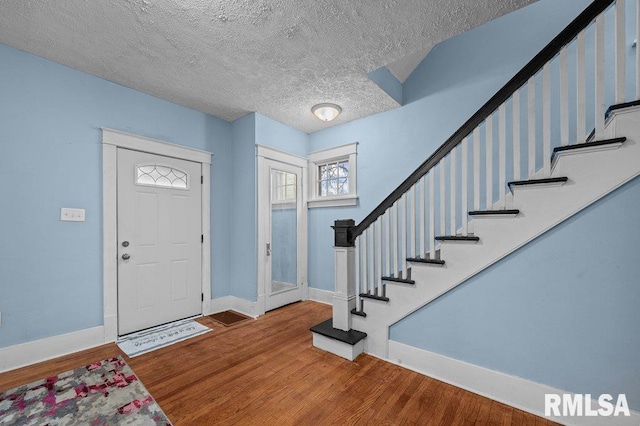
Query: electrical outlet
71, 215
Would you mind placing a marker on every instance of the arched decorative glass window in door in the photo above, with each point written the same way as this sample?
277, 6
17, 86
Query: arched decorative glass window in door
161, 176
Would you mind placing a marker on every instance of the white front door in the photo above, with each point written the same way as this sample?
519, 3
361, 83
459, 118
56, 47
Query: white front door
159, 240
285, 235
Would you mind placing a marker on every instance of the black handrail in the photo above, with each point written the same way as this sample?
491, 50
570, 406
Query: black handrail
547, 54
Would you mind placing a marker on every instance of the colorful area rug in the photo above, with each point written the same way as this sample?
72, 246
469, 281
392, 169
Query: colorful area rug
228, 318
103, 393
158, 337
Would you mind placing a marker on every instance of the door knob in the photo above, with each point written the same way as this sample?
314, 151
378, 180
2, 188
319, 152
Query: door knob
125, 244
126, 256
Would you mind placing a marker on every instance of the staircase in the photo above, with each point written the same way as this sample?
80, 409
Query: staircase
518, 167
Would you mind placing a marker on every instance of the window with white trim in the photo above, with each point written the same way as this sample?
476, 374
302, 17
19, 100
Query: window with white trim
333, 177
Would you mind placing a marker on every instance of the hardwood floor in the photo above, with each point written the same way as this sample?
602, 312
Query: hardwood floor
266, 372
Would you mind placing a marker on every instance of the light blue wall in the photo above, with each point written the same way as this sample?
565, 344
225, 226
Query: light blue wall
274, 134
562, 311
387, 82
457, 77
243, 209
51, 157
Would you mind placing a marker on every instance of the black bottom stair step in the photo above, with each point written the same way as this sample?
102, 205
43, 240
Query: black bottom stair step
326, 329
354, 311
559, 181
438, 262
374, 297
399, 280
508, 212
461, 238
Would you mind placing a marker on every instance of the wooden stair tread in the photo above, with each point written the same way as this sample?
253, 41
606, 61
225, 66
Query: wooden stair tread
399, 280
438, 262
458, 238
507, 212
616, 107
542, 182
374, 297
588, 145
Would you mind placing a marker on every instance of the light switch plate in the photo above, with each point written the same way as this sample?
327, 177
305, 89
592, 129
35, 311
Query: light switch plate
71, 215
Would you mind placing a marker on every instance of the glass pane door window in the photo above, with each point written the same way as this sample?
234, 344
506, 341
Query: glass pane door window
284, 229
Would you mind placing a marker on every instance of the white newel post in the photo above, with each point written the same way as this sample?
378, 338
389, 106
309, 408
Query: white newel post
344, 296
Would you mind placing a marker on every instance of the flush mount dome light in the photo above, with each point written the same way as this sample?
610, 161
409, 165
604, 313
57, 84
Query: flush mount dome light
326, 112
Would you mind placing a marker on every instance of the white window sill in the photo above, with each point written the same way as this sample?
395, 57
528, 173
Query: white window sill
345, 200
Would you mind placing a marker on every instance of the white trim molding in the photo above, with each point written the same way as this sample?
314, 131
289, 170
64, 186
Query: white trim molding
265, 155
321, 296
153, 146
348, 152
28, 353
507, 389
281, 156
112, 140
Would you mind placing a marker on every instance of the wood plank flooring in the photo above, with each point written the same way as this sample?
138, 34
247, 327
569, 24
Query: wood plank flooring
267, 372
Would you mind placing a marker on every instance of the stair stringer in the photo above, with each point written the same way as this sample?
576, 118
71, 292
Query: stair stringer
591, 176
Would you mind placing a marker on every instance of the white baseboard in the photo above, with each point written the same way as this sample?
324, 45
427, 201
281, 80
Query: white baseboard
233, 303
24, 354
511, 390
322, 296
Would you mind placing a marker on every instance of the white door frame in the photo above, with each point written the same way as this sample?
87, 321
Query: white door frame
264, 204
111, 141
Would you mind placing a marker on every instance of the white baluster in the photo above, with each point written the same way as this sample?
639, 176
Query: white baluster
452, 192
372, 263
502, 153
516, 135
357, 269
621, 52
412, 234
546, 119
564, 97
387, 242
443, 206
531, 125
365, 263
432, 216
476, 169
599, 72
463, 186
423, 224
378, 242
395, 239
403, 236
489, 160
581, 89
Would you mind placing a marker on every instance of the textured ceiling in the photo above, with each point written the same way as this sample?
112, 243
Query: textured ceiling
228, 58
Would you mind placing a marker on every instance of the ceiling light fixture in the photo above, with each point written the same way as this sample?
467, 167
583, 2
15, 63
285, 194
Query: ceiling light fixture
326, 112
